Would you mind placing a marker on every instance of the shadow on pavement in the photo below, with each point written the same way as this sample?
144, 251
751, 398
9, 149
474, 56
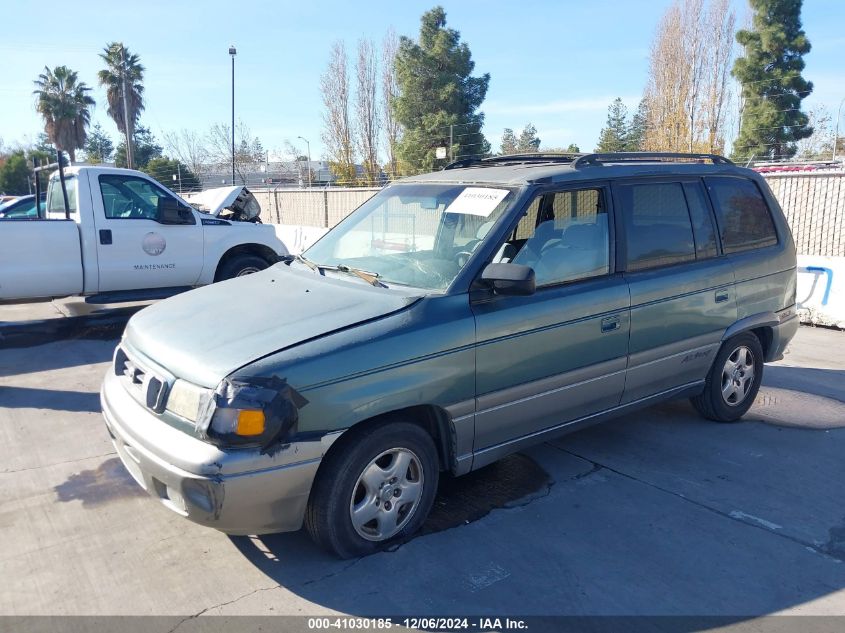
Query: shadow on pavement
677, 516
56, 355
829, 383
30, 398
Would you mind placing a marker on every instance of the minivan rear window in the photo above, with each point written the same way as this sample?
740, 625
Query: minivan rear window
742, 214
658, 231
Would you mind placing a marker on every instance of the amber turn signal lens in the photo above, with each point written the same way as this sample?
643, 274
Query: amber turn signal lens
250, 422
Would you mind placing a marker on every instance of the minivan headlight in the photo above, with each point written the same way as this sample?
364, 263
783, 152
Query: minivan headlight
251, 412
187, 400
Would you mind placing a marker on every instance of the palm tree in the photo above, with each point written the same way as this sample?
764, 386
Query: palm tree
123, 71
66, 107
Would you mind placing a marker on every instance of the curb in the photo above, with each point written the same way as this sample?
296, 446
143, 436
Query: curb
93, 326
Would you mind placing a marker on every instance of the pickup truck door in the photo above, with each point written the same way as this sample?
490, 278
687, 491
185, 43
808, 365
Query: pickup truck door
135, 248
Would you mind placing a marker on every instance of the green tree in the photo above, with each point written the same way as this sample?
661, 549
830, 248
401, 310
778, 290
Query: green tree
614, 135
173, 174
63, 102
436, 91
635, 137
15, 175
772, 85
146, 149
99, 146
123, 71
508, 142
528, 141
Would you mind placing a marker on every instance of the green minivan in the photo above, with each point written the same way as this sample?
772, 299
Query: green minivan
452, 319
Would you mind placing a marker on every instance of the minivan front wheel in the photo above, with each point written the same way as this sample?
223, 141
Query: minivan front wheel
378, 487
733, 381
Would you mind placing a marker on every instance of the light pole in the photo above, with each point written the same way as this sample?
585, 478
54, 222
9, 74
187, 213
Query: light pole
836, 133
233, 52
308, 145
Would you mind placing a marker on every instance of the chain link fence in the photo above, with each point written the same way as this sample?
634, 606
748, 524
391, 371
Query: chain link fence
311, 207
814, 205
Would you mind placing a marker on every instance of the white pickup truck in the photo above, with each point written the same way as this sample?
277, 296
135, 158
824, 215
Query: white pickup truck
124, 237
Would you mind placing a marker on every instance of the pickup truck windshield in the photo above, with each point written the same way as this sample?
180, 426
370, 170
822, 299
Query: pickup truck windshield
414, 234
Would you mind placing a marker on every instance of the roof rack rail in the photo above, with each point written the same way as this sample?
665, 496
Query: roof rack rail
589, 160
533, 157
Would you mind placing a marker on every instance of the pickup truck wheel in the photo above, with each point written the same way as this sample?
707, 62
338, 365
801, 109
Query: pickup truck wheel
733, 381
378, 489
241, 265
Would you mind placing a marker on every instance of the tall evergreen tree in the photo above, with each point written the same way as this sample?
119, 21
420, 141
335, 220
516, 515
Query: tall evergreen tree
508, 142
436, 91
635, 137
146, 148
15, 175
528, 140
772, 85
99, 146
614, 136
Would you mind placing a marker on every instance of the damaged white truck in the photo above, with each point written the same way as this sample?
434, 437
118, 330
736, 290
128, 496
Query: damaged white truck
114, 235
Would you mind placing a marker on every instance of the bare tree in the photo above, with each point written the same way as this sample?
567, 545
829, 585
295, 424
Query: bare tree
389, 91
249, 151
819, 145
367, 115
720, 31
189, 148
688, 92
337, 127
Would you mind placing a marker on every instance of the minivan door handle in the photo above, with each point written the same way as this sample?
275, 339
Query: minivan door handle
105, 236
722, 296
608, 324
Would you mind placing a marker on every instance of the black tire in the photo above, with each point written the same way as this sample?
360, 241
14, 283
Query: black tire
328, 517
711, 403
241, 265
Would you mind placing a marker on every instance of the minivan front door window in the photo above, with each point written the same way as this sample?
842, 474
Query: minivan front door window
569, 240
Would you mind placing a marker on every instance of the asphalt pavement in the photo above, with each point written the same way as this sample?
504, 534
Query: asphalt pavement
655, 513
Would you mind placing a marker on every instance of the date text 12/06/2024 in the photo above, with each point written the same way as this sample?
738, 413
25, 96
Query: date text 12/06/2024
488, 625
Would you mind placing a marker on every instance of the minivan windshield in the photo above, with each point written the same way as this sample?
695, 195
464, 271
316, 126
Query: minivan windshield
413, 234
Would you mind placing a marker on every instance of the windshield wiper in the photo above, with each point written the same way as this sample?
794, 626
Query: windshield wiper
370, 278
307, 262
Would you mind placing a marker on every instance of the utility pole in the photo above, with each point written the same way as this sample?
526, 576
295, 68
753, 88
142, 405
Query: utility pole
129, 162
451, 156
836, 133
233, 52
309, 159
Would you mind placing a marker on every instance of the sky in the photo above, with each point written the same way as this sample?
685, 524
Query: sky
555, 63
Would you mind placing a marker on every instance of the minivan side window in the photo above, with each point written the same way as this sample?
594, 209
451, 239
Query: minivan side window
742, 214
702, 221
658, 231
568, 240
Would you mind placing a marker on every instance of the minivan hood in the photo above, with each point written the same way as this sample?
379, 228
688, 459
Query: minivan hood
206, 334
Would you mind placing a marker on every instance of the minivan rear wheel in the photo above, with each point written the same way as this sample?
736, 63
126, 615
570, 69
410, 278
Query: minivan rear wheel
376, 489
733, 381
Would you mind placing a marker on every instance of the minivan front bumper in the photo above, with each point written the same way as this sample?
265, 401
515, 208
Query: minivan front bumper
238, 492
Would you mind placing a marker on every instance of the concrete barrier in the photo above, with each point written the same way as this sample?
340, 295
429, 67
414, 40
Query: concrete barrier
821, 290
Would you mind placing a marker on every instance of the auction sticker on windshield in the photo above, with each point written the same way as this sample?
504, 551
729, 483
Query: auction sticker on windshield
477, 201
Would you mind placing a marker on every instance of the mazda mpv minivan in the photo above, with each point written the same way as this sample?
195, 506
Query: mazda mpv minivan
452, 319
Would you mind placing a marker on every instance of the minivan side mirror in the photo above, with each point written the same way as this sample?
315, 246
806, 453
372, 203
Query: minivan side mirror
509, 279
171, 211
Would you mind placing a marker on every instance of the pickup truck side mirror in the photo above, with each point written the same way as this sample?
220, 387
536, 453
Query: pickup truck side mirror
171, 211
509, 279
